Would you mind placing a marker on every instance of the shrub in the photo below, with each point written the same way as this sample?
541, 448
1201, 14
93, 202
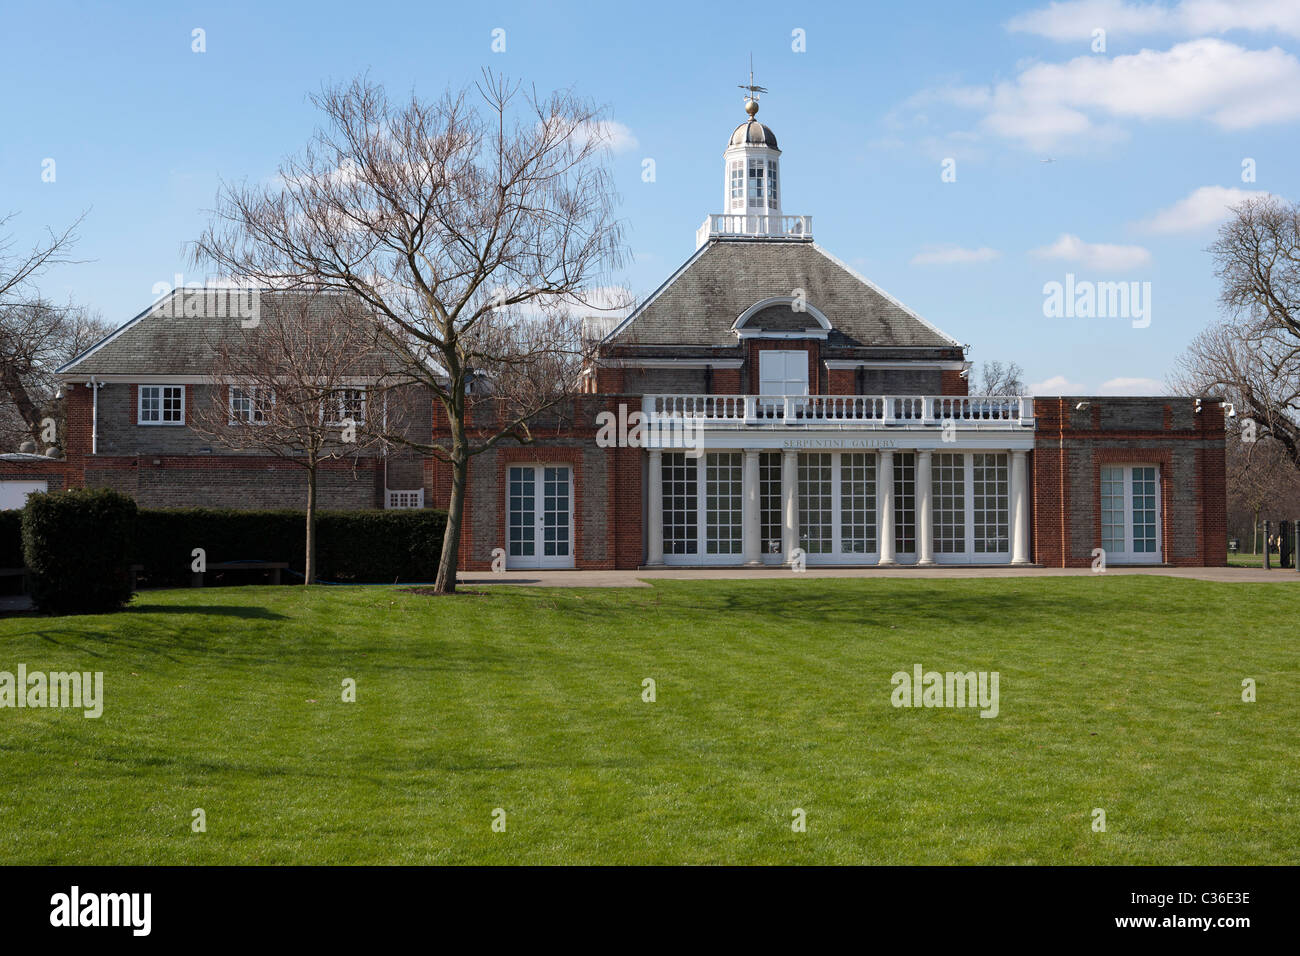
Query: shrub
11, 539
78, 545
351, 546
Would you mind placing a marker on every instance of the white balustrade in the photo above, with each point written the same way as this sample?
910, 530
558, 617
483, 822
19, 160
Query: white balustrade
911, 411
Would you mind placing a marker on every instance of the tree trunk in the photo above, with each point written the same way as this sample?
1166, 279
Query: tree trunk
445, 583
309, 575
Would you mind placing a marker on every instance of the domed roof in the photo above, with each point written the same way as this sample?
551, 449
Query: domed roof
753, 133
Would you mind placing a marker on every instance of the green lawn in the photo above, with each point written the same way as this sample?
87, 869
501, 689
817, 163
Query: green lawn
1116, 692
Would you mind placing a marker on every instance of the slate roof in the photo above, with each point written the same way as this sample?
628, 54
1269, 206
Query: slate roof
699, 304
178, 334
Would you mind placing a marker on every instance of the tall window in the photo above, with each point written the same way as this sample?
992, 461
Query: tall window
769, 501
1130, 512
1144, 510
162, 405
782, 372
771, 184
681, 503
737, 185
949, 484
904, 502
816, 504
990, 503
757, 168
857, 503
722, 491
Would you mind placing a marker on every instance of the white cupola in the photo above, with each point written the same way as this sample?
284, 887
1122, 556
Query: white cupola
752, 163
751, 185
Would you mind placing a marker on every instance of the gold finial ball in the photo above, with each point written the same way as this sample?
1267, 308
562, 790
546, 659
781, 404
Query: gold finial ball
751, 106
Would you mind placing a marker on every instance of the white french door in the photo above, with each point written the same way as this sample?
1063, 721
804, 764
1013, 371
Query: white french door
539, 516
971, 497
839, 516
1130, 514
703, 508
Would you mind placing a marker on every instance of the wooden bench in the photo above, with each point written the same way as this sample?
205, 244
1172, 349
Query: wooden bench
275, 567
23, 573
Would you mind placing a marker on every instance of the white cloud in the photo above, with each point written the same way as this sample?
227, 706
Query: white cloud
614, 134
1094, 255
1205, 207
1057, 385
948, 255
1051, 104
1070, 20
1060, 385
1132, 386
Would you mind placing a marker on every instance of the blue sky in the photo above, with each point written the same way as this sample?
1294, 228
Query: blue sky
1148, 138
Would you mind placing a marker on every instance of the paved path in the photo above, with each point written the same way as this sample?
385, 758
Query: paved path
640, 579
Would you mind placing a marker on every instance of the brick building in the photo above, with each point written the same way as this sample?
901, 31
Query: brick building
765, 403
787, 405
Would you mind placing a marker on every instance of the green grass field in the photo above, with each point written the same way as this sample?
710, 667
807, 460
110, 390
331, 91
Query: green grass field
1121, 693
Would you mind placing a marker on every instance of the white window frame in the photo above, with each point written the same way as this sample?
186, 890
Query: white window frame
1128, 555
338, 405
968, 554
756, 183
252, 392
162, 404
788, 376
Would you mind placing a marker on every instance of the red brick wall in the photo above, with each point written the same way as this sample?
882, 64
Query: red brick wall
954, 383
1070, 448
726, 381
843, 381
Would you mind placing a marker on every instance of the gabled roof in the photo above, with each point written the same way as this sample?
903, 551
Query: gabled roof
700, 303
178, 334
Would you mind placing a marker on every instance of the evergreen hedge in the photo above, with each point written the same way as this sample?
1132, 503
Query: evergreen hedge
77, 545
351, 546
374, 547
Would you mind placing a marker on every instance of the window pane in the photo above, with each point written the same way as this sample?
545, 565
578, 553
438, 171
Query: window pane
949, 484
857, 504
769, 501
680, 503
991, 504
904, 502
816, 532
723, 501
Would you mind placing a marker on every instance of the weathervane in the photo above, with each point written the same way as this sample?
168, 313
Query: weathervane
751, 101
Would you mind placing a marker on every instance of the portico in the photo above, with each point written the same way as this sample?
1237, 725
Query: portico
839, 480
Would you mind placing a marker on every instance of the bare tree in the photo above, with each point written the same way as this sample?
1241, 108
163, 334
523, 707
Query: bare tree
1253, 359
36, 337
471, 226
1001, 378
1261, 480
309, 383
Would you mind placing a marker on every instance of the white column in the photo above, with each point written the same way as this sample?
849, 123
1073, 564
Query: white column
789, 503
885, 486
751, 527
1019, 509
924, 509
655, 536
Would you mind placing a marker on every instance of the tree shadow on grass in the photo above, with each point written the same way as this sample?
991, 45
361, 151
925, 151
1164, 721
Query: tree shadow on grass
219, 610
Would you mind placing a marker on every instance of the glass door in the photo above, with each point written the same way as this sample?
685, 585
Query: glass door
539, 516
1130, 514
